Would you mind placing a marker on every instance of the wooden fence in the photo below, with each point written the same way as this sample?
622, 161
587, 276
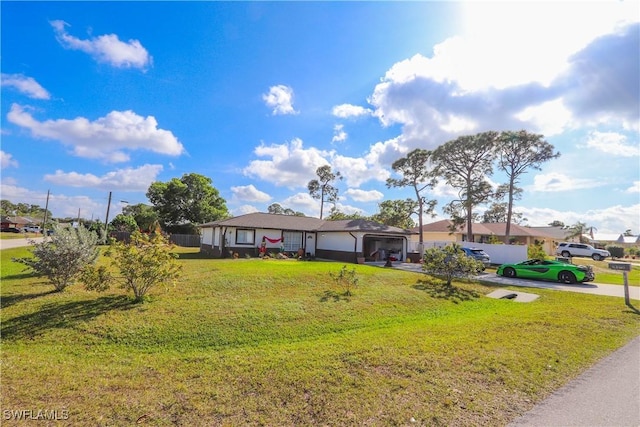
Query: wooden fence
186, 240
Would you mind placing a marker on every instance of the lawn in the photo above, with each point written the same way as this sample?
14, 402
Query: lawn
253, 342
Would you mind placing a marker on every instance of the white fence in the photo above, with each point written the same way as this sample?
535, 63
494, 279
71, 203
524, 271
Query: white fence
500, 254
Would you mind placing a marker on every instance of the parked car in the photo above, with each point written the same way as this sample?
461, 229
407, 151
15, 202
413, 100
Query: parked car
31, 229
569, 249
548, 270
478, 254
10, 230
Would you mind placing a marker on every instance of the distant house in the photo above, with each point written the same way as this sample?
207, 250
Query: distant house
345, 240
17, 221
486, 232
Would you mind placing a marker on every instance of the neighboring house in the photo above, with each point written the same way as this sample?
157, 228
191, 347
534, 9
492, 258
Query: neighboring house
602, 240
630, 240
345, 240
17, 221
485, 232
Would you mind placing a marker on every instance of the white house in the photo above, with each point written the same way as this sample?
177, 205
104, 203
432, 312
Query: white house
345, 240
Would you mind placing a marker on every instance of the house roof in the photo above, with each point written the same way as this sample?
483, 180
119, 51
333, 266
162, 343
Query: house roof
558, 233
302, 223
603, 237
484, 228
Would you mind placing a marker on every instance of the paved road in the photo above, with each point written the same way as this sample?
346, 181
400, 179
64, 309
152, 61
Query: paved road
16, 243
607, 394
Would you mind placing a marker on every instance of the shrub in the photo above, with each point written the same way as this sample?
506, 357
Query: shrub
144, 262
536, 252
62, 256
616, 251
346, 279
450, 262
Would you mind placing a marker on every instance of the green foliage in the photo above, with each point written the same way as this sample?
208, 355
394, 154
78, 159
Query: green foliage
124, 223
345, 279
183, 203
144, 215
143, 263
397, 213
62, 256
536, 251
336, 215
322, 188
494, 240
22, 209
616, 251
450, 262
277, 209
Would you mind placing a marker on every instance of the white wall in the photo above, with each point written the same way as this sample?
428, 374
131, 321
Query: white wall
500, 254
339, 241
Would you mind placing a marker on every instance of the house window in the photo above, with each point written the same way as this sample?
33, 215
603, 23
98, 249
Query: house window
245, 237
292, 240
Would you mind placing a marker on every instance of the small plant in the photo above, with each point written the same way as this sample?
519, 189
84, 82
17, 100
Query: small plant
536, 251
63, 256
450, 262
345, 279
143, 263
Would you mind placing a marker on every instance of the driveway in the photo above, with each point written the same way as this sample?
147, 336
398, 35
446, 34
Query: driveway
16, 243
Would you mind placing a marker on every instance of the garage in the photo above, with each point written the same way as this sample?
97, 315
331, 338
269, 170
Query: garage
381, 247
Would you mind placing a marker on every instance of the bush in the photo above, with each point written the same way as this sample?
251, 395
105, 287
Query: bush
143, 263
450, 262
616, 251
347, 279
62, 256
536, 252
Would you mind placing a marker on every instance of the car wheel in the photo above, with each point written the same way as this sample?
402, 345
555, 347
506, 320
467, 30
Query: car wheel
567, 277
509, 272
596, 257
566, 254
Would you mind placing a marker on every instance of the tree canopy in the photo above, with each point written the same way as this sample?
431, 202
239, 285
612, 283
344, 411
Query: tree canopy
397, 213
322, 188
144, 215
183, 203
276, 209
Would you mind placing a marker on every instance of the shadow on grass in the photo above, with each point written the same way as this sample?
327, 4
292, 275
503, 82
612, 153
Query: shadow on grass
440, 289
334, 296
9, 300
61, 315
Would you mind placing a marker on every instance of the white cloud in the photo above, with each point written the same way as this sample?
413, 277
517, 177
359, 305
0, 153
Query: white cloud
7, 161
614, 219
549, 118
105, 138
250, 193
635, 188
358, 170
364, 195
555, 181
106, 48
290, 165
303, 202
280, 99
612, 143
339, 135
26, 85
346, 111
129, 179
243, 210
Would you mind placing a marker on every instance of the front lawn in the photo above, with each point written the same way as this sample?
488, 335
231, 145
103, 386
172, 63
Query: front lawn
253, 342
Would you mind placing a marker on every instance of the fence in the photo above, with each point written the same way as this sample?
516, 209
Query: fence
500, 254
186, 240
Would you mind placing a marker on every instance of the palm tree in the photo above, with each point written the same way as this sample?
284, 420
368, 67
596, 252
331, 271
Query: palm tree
577, 230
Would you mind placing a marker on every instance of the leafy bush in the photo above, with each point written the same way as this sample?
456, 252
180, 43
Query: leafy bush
450, 262
62, 256
143, 263
536, 252
616, 251
346, 279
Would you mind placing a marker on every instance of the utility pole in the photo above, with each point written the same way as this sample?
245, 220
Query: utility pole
106, 220
46, 208
78, 218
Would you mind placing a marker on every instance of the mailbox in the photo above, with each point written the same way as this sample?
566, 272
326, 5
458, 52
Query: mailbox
620, 266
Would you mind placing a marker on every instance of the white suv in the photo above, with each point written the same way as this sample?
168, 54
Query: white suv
568, 249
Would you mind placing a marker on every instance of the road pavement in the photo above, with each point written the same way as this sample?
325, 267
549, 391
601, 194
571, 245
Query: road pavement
16, 243
607, 394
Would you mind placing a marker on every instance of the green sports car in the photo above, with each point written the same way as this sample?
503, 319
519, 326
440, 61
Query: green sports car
548, 270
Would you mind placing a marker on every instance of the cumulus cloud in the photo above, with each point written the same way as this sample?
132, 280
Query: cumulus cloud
345, 111
289, 165
128, 179
339, 134
7, 161
612, 143
555, 181
358, 170
280, 100
243, 210
635, 188
250, 193
25, 85
303, 202
107, 48
106, 138
364, 195
614, 219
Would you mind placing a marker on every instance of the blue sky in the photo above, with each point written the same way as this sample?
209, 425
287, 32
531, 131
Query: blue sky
112, 96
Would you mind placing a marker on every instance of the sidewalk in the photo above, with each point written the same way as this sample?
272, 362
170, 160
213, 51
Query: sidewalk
607, 394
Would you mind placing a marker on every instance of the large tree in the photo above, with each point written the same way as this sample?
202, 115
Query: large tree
322, 188
146, 217
336, 215
416, 173
397, 213
518, 152
277, 209
183, 203
498, 210
465, 164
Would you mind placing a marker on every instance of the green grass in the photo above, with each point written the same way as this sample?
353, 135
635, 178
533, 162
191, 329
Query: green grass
255, 342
